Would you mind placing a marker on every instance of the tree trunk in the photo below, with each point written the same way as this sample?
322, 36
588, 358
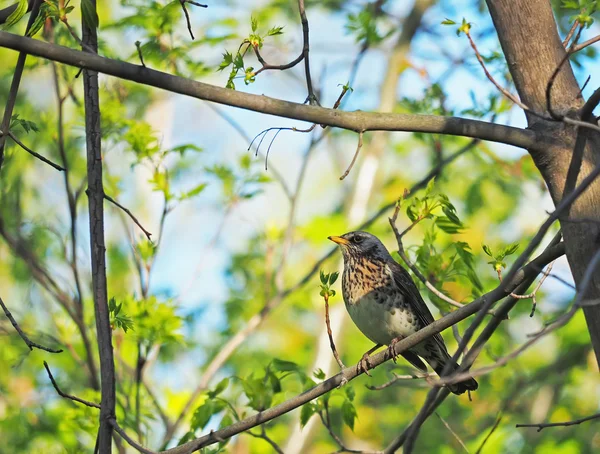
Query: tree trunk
533, 50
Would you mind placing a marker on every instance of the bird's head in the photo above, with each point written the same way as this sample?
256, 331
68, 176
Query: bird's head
355, 245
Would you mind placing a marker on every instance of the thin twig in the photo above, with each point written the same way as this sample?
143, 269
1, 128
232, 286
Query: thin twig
500, 88
263, 436
543, 426
130, 214
570, 34
26, 339
489, 434
358, 147
462, 443
397, 378
532, 295
65, 395
187, 17
329, 333
128, 439
326, 420
587, 43
33, 153
139, 51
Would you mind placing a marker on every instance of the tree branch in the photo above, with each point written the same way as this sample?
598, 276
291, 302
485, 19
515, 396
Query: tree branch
26, 339
356, 121
33, 153
128, 439
65, 395
130, 214
543, 426
95, 194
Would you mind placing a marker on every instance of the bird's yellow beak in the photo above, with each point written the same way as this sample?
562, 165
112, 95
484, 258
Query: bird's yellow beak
338, 240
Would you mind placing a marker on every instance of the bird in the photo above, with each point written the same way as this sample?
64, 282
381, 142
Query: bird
386, 306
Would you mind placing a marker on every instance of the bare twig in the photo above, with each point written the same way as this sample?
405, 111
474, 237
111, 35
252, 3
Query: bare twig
489, 434
397, 378
543, 426
65, 395
585, 44
130, 214
570, 34
329, 333
532, 295
500, 88
138, 46
187, 15
447, 426
26, 339
128, 439
326, 420
358, 147
263, 436
33, 153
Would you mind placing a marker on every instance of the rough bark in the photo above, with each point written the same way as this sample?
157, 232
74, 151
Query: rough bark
533, 49
95, 194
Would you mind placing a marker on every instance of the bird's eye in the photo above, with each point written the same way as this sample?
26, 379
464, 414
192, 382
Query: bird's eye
357, 239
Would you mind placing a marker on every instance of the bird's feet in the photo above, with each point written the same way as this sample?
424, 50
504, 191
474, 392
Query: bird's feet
364, 364
391, 350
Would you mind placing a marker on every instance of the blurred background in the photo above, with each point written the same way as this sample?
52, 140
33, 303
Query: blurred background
220, 313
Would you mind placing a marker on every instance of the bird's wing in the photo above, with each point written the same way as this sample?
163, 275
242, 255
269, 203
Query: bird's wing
406, 285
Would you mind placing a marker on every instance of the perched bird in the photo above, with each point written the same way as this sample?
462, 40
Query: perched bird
385, 304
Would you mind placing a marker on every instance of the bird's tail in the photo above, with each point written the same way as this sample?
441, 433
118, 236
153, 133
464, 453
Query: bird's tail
457, 388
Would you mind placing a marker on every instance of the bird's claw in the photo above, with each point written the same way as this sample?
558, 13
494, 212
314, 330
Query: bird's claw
391, 350
343, 382
364, 365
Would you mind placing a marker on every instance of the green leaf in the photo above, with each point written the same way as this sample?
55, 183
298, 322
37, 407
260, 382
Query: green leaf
323, 277
189, 436
307, 411
510, 249
350, 393
227, 60
487, 250
451, 215
281, 365
333, 277
348, 413
89, 14
319, 374
254, 23
275, 383
17, 14
202, 415
39, 21
445, 224
430, 186
448, 22
193, 192
112, 304
221, 386
275, 31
